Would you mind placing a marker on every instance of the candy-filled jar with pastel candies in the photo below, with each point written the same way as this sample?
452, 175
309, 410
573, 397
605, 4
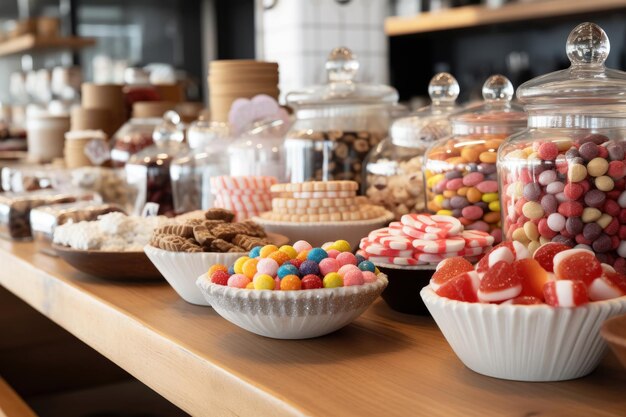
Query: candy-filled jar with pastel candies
562, 179
393, 169
337, 123
460, 174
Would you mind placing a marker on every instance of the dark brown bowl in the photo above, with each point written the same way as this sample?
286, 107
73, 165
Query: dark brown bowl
114, 266
405, 283
614, 332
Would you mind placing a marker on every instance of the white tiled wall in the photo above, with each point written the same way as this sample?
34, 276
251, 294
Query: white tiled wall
299, 34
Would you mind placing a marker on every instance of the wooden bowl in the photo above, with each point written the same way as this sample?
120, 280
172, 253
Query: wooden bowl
614, 332
115, 266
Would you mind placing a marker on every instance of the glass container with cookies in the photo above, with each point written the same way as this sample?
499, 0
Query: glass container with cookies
148, 171
337, 123
393, 169
460, 170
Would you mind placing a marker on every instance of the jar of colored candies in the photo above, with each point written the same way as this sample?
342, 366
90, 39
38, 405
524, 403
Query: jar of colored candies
460, 174
337, 124
393, 169
562, 179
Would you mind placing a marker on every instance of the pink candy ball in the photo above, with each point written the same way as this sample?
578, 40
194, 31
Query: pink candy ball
332, 253
369, 276
345, 268
353, 277
267, 266
328, 265
346, 258
302, 245
238, 281
277, 286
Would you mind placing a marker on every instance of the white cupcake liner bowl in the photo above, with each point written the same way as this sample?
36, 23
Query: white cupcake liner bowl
524, 343
181, 269
291, 314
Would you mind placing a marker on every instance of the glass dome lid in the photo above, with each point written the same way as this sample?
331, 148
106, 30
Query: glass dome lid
496, 114
429, 123
342, 67
586, 81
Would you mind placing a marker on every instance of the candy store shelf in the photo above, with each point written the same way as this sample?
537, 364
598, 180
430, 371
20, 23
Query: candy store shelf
29, 43
473, 16
384, 364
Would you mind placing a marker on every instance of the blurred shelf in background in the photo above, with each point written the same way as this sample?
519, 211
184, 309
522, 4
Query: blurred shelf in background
28, 43
474, 16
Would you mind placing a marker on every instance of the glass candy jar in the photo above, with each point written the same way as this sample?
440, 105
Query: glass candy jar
460, 174
191, 171
393, 169
260, 150
148, 171
337, 123
563, 177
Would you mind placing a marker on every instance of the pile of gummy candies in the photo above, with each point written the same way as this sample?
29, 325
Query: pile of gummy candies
297, 267
555, 275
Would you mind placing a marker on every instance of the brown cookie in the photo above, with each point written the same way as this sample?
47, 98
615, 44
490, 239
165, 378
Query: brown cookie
254, 228
193, 222
211, 224
228, 231
220, 245
172, 243
181, 230
194, 249
249, 242
237, 249
219, 214
203, 236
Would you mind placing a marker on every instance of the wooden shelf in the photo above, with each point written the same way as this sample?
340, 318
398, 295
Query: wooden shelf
29, 43
384, 364
473, 16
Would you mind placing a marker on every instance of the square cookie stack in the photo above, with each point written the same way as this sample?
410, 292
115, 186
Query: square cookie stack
246, 196
320, 201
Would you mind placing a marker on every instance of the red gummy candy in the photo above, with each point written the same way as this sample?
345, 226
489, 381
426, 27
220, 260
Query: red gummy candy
577, 265
545, 254
565, 293
448, 269
525, 300
483, 264
220, 277
609, 285
461, 288
500, 283
533, 277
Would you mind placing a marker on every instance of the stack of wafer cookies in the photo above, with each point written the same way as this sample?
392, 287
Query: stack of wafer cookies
320, 201
246, 196
422, 239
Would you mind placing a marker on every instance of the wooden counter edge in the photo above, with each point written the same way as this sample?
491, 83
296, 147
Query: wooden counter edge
183, 377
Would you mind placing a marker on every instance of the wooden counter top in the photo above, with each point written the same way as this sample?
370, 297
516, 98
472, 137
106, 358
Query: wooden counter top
384, 364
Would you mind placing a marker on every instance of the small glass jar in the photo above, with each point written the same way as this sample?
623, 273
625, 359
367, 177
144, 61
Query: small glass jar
337, 123
148, 171
562, 179
260, 150
393, 169
191, 171
460, 174
134, 136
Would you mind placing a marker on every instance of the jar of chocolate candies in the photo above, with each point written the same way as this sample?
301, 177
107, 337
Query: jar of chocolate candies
393, 169
337, 124
562, 179
191, 170
148, 171
460, 174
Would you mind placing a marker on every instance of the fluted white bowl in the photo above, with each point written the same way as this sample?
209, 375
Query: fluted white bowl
181, 269
524, 343
291, 314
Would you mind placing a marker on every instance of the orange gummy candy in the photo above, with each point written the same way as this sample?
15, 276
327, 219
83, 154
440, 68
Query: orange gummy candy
533, 277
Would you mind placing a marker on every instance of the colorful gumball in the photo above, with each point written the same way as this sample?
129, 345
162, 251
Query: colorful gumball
280, 257
255, 252
332, 253
302, 256
328, 265
249, 267
565, 293
287, 269
346, 258
333, 280
311, 282
290, 283
267, 266
217, 267
302, 245
238, 281
309, 268
220, 277
289, 250
345, 268
369, 277
316, 255
353, 277
266, 250
295, 262
263, 282
342, 246
366, 266
238, 266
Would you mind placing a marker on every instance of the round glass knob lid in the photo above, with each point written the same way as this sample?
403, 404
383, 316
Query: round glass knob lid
443, 87
498, 88
587, 44
341, 65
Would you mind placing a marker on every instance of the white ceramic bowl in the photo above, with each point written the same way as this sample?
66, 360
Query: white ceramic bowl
181, 269
319, 233
524, 343
291, 314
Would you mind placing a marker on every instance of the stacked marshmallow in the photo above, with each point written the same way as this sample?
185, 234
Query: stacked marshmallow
422, 239
246, 196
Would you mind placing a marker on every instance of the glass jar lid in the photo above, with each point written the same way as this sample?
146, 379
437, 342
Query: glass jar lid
431, 122
342, 89
496, 114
